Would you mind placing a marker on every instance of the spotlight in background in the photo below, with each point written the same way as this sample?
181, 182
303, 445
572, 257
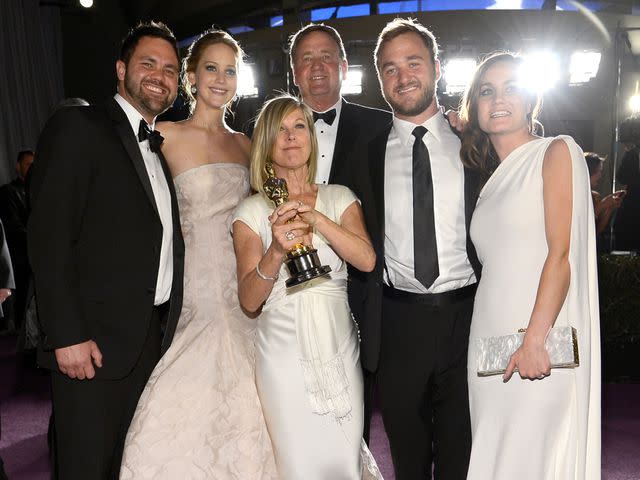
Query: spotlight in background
247, 82
540, 71
86, 3
458, 73
583, 66
634, 101
352, 85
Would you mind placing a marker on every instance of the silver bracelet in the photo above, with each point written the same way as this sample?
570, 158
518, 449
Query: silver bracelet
263, 276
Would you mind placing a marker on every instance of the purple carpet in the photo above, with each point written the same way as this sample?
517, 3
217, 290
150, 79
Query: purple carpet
25, 408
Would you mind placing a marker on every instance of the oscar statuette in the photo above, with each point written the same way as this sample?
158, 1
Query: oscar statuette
302, 260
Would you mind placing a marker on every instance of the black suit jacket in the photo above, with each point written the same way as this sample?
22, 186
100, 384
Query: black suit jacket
94, 238
357, 125
366, 298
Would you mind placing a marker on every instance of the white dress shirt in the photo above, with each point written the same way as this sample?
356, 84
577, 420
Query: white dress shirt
326, 135
163, 202
447, 174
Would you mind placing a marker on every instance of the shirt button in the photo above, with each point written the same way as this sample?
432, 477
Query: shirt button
322, 156
321, 131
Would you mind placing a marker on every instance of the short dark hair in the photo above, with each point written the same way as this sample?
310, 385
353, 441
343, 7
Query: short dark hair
146, 29
22, 154
593, 161
297, 37
399, 26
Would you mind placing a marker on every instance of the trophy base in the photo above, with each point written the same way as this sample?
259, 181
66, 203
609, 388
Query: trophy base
304, 265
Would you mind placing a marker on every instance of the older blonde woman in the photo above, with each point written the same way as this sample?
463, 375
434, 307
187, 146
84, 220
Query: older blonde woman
307, 353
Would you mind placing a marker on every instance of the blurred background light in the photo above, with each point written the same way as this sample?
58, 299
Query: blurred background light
458, 73
583, 66
540, 71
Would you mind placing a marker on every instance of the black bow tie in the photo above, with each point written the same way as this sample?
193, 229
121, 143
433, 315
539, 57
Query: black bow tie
154, 137
329, 116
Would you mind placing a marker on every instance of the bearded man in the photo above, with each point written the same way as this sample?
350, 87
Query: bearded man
107, 254
417, 199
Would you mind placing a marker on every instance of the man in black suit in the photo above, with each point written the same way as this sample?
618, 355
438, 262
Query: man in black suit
416, 312
107, 254
319, 65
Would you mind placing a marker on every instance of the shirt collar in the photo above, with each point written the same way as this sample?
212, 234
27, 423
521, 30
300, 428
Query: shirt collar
434, 125
337, 106
133, 115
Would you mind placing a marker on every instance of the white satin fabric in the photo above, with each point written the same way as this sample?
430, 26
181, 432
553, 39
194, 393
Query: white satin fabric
199, 416
314, 441
543, 429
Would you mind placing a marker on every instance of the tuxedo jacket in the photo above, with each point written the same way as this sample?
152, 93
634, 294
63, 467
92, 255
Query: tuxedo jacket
366, 289
94, 238
357, 125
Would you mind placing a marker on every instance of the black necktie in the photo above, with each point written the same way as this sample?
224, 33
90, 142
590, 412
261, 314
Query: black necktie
425, 248
154, 137
329, 116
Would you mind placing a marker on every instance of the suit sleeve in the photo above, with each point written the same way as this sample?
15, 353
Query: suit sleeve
60, 185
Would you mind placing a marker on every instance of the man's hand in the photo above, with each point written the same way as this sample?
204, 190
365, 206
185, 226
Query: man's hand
77, 361
454, 120
4, 294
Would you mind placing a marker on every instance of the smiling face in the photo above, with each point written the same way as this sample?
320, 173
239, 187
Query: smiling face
149, 81
408, 77
292, 146
215, 76
318, 70
502, 104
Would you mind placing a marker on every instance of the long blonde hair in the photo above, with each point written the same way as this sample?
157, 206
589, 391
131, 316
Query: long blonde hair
267, 128
477, 152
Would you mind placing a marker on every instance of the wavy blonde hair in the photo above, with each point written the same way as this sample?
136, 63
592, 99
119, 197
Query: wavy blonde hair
477, 152
267, 128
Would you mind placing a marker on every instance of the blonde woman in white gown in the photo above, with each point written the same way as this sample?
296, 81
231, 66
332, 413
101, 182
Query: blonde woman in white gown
533, 229
199, 416
307, 351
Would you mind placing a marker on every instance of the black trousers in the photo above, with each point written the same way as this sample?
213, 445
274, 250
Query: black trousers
91, 417
422, 380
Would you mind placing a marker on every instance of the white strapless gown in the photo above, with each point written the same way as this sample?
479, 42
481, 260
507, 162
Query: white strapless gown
199, 416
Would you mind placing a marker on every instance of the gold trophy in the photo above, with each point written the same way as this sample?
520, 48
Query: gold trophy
302, 260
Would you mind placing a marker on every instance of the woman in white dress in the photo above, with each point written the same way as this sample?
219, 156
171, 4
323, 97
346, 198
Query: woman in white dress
533, 229
199, 416
307, 352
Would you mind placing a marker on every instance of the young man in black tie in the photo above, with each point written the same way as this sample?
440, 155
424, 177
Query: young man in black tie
107, 255
416, 312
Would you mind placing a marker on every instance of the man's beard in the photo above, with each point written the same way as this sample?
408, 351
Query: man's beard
152, 106
418, 107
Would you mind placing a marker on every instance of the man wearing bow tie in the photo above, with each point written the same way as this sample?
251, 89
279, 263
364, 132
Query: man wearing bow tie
319, 65
111, 274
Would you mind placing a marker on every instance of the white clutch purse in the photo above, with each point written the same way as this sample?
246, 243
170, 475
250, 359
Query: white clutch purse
494, 352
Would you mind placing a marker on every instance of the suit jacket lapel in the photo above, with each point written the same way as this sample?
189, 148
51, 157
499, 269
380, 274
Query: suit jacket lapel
346, 126
123, 127
377, 153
